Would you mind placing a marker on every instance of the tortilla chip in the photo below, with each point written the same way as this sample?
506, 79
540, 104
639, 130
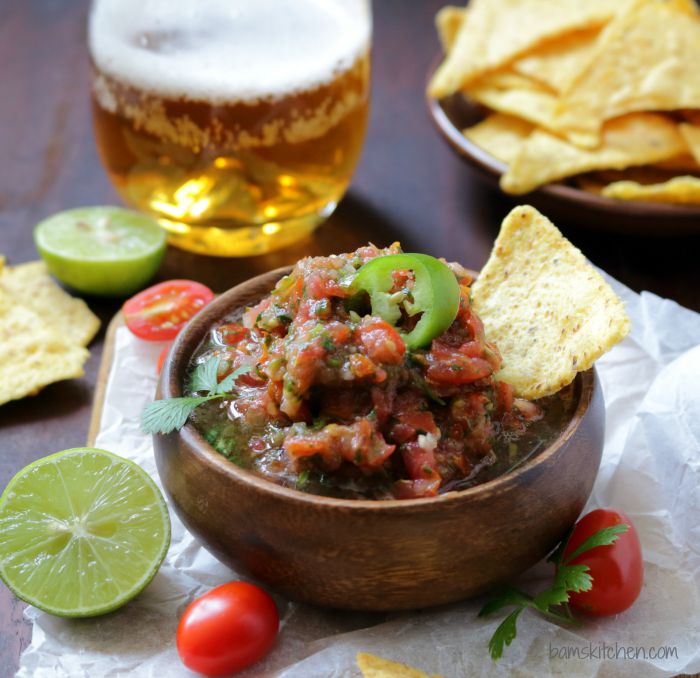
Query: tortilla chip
500, 30
691, 134
31, 286
500, 135
559, 62
376, 667
548, 311
448, 21
635, 139
645, 60
32, 355
684, 190
506, 78
528, 101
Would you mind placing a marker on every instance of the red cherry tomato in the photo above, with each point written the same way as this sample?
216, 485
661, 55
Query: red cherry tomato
227, 629
617, 569
159, 312
162, 357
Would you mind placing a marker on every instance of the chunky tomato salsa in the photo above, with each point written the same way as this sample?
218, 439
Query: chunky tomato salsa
358, 381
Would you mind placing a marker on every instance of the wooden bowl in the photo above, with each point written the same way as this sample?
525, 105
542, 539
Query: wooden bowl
373, 555
560, 201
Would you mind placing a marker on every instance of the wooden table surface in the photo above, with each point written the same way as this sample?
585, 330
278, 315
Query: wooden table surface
409, 187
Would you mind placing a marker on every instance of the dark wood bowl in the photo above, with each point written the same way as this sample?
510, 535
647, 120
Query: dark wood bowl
373, 555
559, 201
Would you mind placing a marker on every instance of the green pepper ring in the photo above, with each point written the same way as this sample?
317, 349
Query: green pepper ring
435, 294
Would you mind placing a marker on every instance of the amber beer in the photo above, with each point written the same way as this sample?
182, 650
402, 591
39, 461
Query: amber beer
237, 123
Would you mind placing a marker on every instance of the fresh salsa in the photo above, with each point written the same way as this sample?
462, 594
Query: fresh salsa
343, 391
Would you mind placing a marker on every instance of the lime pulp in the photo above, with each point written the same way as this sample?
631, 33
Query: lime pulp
107, 251
83, 532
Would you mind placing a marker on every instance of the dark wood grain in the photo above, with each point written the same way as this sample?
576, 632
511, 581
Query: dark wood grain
409, 186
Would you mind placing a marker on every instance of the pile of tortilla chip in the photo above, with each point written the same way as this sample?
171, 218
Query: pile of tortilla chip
605, 95
43, 331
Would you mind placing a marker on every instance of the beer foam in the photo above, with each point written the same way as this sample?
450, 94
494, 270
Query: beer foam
227, 50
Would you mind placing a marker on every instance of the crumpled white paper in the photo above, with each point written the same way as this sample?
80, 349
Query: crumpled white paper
650, 469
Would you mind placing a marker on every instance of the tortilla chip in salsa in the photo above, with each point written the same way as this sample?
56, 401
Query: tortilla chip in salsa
550, 313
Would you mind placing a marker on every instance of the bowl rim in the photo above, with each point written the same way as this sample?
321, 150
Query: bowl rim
190, 338
574, 196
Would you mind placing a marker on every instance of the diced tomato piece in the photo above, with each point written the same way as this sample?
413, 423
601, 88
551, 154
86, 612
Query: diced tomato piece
475, 325
338, 332
457, 369
366, 447
361, 366
301, 370
382, 343
407, 426
274, 388
358, 443
323, 283
251, 315
420, 461
504, 397
472, 349
231, 333
401, 277
306, 446
257, 407
469, 407
415, 489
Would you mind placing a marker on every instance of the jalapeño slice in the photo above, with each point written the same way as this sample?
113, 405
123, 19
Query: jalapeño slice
435, 294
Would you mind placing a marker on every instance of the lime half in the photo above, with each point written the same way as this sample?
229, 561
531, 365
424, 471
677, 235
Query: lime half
108, 251
81, 532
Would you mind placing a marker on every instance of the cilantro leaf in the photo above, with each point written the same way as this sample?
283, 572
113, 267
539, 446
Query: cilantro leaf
226, 384
165, 416
603, 537
509, 596
552, 602
204, 376
573, 578
557, 595
504, 634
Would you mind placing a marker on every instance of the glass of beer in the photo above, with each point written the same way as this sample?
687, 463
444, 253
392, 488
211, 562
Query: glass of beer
236, 123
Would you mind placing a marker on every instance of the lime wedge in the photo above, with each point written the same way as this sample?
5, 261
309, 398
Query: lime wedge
106, 251
83, 532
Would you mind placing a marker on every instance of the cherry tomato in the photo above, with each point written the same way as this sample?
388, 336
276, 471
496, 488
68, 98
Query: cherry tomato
160, 312
617, 569
227, 629
162, 357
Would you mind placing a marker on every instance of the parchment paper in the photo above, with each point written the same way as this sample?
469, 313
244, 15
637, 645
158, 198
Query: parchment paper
650, 469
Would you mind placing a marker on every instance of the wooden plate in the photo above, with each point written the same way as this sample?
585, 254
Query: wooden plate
560, 201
